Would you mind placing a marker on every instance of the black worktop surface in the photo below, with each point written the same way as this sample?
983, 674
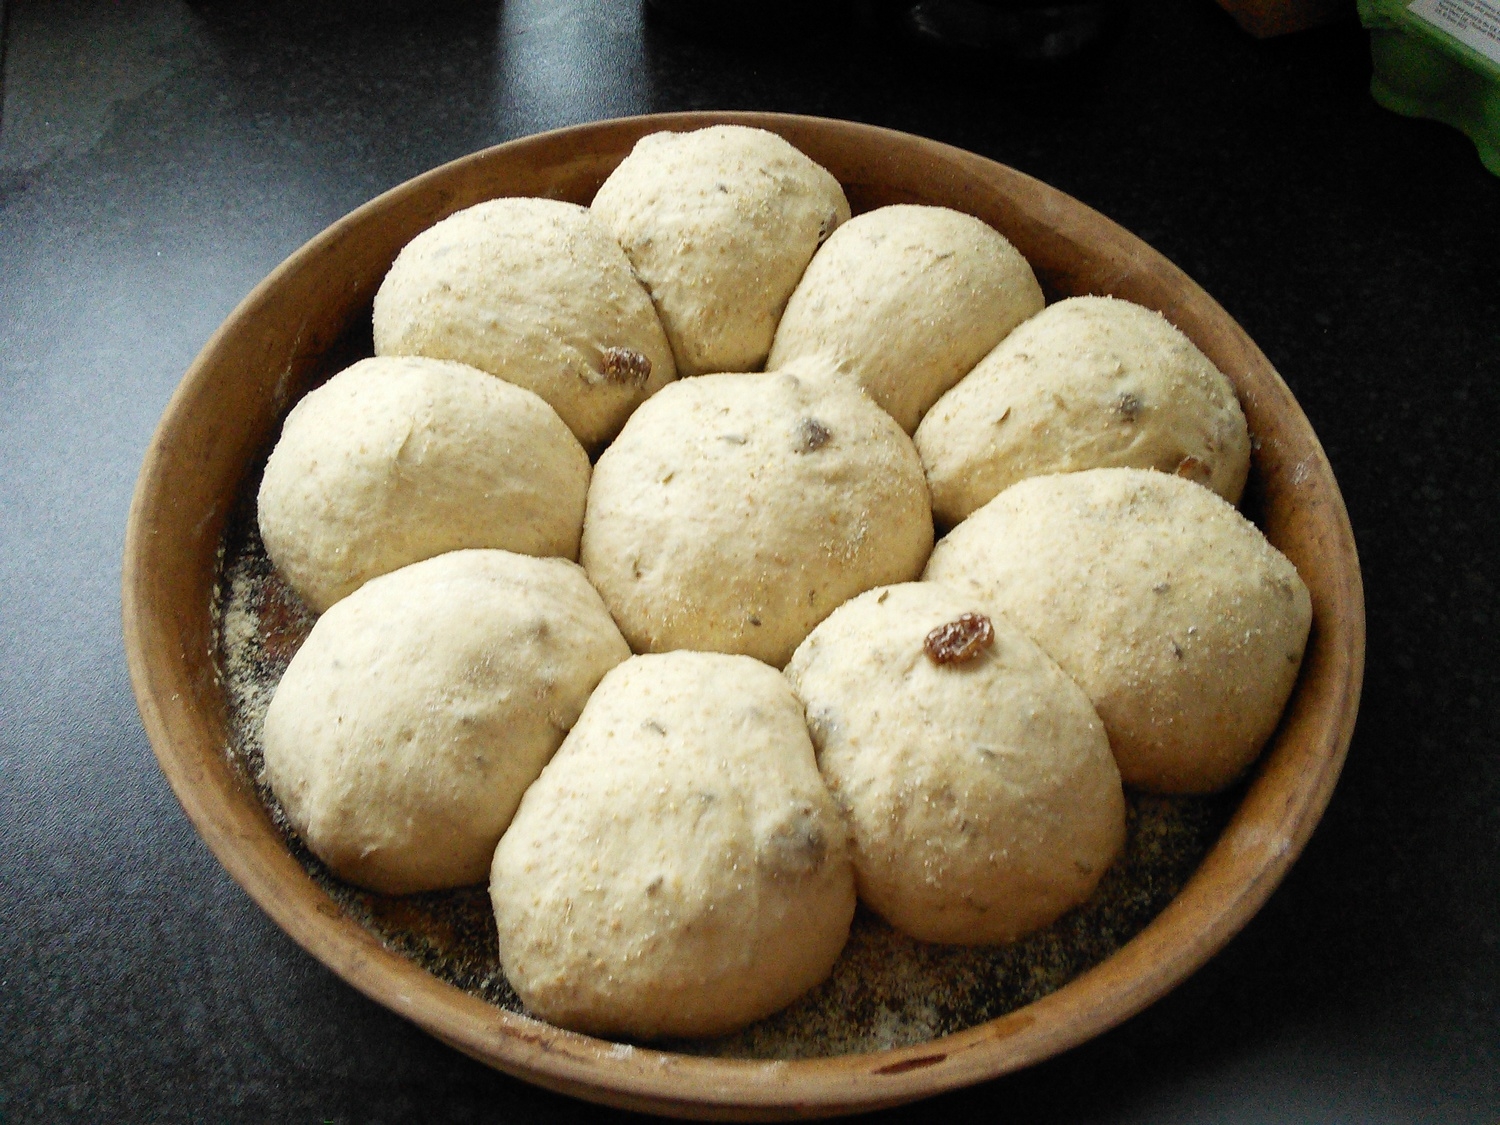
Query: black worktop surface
158, 157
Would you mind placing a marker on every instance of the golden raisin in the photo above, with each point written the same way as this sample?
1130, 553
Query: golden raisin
625, 365
961, 640
1194, 470
811, 435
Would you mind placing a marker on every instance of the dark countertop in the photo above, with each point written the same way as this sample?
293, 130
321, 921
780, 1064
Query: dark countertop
157, 158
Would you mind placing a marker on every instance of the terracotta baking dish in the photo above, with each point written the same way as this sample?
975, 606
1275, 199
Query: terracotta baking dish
279, 341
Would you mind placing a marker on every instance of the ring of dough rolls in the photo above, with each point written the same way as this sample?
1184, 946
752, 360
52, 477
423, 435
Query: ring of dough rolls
679, 867
1183, 625
398, 459
664, 856
1087, 383
420, 707
980, 789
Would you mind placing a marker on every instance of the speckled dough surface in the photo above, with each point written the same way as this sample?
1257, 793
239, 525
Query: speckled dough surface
410, 722
907, 299
399, 459
679, 867
1088, 383
982, 794
886, 989
735, 512
1182, 623
536, 292
719, 224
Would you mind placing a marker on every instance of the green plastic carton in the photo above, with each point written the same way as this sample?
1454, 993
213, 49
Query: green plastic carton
1440, 59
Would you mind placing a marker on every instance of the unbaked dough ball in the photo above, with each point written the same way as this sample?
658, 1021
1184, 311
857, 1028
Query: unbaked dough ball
420, 707
396, 460
975, 774
907, 299
735, 512
679, 868
1183, 625
536, 292
1088, 383
719, 224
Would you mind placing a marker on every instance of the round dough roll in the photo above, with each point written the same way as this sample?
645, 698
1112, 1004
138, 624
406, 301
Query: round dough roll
1183, 625
735, 512
679, 868
536, 292
719, 224
396, 460
982, 795
1088, 383
907, 299
420, 707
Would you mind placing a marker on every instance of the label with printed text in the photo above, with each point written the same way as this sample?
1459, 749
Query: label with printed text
1474, 23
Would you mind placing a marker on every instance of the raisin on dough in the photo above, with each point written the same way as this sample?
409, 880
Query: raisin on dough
395, 460
536, 292
906, 300
1088, 383
1181, 623
719, 224
977, 779
420, 707
679, 867
734, 512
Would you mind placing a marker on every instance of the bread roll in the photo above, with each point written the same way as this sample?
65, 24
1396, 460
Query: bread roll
719, 224
907, 299
1183, 625
536, 292
420, 707
735, 512
678, 868
976, 777
396, 460
1088, 383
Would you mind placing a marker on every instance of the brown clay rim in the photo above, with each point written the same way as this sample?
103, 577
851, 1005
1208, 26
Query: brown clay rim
237, 389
